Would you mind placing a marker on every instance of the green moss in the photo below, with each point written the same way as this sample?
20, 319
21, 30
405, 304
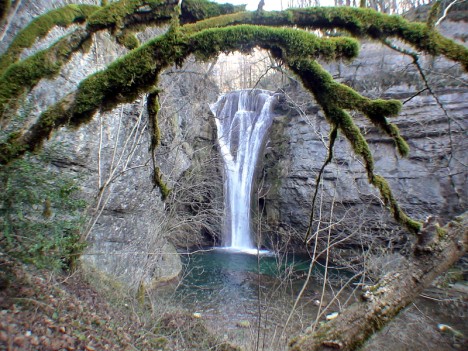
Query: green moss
123, 81
23, 75
153, 110
334, 98
157, 181
340, 96
39, 28
140, 295
441, 232
196, 10
118, 15
380, 183
433, 14
359, 22
289, 42
128, 39
138, 71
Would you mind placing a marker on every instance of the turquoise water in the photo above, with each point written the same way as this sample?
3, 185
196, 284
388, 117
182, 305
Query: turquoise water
226, 287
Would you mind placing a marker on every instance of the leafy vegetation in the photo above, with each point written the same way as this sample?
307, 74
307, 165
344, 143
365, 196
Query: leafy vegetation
42, 216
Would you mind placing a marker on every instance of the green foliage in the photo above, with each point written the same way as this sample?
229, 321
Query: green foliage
41, 215
39, 28
334, 98
138, 71
359, 22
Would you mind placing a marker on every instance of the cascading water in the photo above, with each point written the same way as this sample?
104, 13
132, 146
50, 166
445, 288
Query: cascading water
243, 118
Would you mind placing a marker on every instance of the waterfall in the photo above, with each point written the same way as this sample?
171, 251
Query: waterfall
243, 118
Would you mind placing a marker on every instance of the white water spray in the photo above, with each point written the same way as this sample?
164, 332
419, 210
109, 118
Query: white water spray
243, 118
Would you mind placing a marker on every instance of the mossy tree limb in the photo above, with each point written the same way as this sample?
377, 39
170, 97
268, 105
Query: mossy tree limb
334, 98
137, 72
20, 77
121, 17
196, 10
359, 22
153, 107
127, 77
123, 14
39, 27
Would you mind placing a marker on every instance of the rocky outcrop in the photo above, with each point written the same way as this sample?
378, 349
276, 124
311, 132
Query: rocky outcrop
431, 181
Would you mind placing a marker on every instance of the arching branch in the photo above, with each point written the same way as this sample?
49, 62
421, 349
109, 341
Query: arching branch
358, 22
138, 71
121, 18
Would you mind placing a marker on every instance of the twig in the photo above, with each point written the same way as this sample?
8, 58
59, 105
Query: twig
446, 12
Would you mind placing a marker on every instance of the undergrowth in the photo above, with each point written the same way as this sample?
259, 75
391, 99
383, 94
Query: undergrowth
41, 214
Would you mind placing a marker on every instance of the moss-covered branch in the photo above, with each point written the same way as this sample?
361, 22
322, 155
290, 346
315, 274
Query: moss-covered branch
153, 107
23, 75
334, 98
290, 42
122, 14
358, 22
138, 71
121, 17
38, 29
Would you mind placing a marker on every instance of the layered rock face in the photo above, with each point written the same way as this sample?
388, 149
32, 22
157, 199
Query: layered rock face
131, 230
431, 181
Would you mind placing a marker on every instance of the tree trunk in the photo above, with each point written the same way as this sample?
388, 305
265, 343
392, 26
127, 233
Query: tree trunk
437, 249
